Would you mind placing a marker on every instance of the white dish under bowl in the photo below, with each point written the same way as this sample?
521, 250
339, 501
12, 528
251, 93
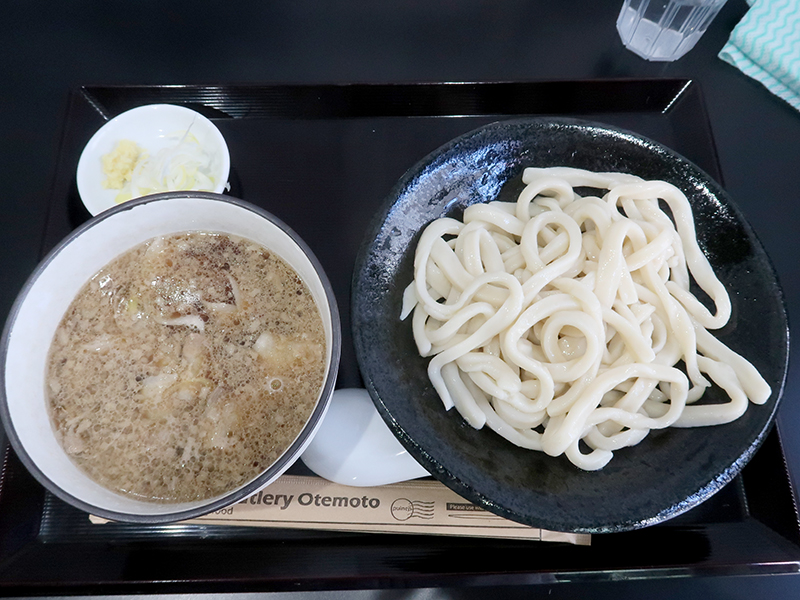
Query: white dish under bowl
153, 127
49, 291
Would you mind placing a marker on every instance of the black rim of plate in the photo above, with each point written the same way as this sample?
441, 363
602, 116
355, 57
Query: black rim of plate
670, 471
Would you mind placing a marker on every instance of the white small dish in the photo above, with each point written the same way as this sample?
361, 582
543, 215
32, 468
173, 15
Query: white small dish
353, 446
153, 127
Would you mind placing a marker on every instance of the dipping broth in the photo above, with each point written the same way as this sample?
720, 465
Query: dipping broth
185, 367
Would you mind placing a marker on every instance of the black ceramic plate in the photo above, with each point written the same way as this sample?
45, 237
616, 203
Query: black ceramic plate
671, 470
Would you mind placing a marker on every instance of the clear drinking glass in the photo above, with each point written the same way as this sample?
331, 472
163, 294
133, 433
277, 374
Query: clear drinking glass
664, 30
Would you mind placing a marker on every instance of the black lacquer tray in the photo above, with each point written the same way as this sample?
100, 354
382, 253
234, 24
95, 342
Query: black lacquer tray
323, 158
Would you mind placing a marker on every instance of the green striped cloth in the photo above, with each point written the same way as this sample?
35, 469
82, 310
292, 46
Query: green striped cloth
765, 45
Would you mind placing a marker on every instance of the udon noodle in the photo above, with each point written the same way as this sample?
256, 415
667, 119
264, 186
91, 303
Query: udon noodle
566, 324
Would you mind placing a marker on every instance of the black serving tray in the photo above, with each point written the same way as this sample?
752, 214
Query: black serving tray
322, 158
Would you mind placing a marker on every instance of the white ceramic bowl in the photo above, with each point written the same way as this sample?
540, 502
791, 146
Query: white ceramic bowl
55, 282
153, 127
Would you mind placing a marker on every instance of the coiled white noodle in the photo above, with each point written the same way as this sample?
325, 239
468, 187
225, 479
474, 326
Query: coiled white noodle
558, 321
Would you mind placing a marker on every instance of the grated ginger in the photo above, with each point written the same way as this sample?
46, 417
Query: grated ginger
118, 165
